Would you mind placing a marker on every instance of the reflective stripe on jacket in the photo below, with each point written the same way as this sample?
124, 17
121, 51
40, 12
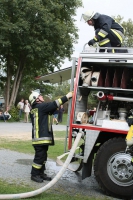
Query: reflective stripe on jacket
42, 133
105, 24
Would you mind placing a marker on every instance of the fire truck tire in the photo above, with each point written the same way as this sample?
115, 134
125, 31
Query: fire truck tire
113, 170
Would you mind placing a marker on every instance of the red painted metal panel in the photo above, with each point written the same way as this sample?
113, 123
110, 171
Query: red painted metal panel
91, 127
74, 102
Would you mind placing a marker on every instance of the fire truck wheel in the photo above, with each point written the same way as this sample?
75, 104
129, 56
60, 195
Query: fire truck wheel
113, 169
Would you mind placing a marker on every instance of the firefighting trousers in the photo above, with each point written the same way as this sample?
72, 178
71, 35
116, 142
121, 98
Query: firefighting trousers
40, 159
113, 39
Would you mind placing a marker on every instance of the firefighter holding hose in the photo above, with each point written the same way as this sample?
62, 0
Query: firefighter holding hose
42, 133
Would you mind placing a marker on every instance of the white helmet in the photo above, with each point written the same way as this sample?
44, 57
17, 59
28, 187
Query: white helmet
34, 95
88, 15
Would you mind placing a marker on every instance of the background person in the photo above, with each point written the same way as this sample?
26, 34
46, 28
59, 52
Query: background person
20, 106
60, 114
2, 116
55, 116
26, 111
108, 33
42, 133
6, 113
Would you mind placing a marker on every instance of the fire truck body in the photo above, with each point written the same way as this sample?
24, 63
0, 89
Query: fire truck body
107, 77
111, 82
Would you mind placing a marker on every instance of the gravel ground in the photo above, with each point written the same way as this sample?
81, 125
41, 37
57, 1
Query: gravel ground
17, 170
16, 167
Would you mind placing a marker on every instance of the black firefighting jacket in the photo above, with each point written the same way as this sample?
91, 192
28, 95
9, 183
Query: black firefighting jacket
106, 23
42, 133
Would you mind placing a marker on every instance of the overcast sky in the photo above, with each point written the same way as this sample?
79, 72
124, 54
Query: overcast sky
124, 8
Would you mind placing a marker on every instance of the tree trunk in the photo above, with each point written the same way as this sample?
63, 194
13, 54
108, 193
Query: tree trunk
8, 84
17, 85
17, 81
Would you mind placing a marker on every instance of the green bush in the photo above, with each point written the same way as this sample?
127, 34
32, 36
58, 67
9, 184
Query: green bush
14, 113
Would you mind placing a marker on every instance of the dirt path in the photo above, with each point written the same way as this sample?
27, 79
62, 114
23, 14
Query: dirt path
15, 136
21, 131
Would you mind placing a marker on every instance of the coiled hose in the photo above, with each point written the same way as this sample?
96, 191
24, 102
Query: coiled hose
51, 183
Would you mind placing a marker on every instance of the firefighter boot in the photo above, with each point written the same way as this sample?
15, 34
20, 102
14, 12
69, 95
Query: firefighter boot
42, 174
37, 178
45, 177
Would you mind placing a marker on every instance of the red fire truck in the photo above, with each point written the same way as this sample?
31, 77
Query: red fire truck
108, 78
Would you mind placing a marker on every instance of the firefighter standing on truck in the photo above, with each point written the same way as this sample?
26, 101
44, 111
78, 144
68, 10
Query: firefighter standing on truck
108, 33
42, 134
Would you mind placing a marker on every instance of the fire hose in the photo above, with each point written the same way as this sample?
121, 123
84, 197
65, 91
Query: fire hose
54, 180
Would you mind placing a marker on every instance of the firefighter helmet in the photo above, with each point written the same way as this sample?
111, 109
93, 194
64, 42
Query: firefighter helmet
34, 95
88, 15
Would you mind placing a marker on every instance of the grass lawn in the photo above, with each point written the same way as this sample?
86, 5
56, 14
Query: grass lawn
26, 146
6, 188
64, 119
14, 188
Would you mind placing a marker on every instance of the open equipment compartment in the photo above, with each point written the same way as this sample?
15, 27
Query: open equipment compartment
111, 82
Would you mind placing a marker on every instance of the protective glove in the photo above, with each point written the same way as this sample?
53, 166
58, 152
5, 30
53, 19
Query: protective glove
130, 120
69, 95
91, 42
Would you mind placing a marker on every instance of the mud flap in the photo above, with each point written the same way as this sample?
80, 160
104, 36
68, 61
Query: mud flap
91, 137
87, 167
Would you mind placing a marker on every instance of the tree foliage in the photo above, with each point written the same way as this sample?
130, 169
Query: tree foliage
35, 36
61, 90
128, 26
